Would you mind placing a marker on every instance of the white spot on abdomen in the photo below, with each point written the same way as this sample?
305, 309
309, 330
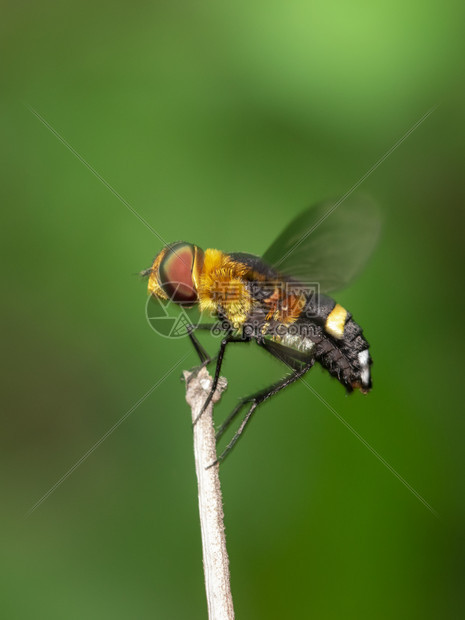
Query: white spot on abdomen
363, 359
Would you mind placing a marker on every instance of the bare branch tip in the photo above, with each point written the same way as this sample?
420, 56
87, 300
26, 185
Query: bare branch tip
198, 384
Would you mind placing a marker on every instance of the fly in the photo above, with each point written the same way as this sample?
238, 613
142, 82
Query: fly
279, 300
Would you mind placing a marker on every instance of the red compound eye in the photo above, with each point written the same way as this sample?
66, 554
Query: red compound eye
175, 273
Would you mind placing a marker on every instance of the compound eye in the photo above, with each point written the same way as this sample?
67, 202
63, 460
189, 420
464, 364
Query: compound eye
175, 273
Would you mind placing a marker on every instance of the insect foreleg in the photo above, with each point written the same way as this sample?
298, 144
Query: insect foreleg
201, 351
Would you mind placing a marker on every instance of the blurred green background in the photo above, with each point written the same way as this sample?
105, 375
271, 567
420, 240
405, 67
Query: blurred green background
218, 122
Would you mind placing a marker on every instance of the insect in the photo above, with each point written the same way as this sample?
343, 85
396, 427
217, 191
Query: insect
279, 300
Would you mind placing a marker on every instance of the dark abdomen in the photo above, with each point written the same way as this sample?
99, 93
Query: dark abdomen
339, 344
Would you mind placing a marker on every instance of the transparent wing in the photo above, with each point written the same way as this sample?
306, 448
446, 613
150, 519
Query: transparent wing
328, 243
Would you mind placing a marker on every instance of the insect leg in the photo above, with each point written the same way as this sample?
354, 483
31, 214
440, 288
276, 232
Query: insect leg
233, 414
224, 343
257, 399
201, 351
293, 359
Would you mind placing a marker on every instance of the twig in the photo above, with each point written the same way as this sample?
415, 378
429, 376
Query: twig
215, 555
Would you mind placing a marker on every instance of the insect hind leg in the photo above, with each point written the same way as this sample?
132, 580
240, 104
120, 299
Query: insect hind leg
256, 399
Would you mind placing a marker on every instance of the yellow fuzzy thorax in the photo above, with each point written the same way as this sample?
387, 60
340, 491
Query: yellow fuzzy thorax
222, 284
